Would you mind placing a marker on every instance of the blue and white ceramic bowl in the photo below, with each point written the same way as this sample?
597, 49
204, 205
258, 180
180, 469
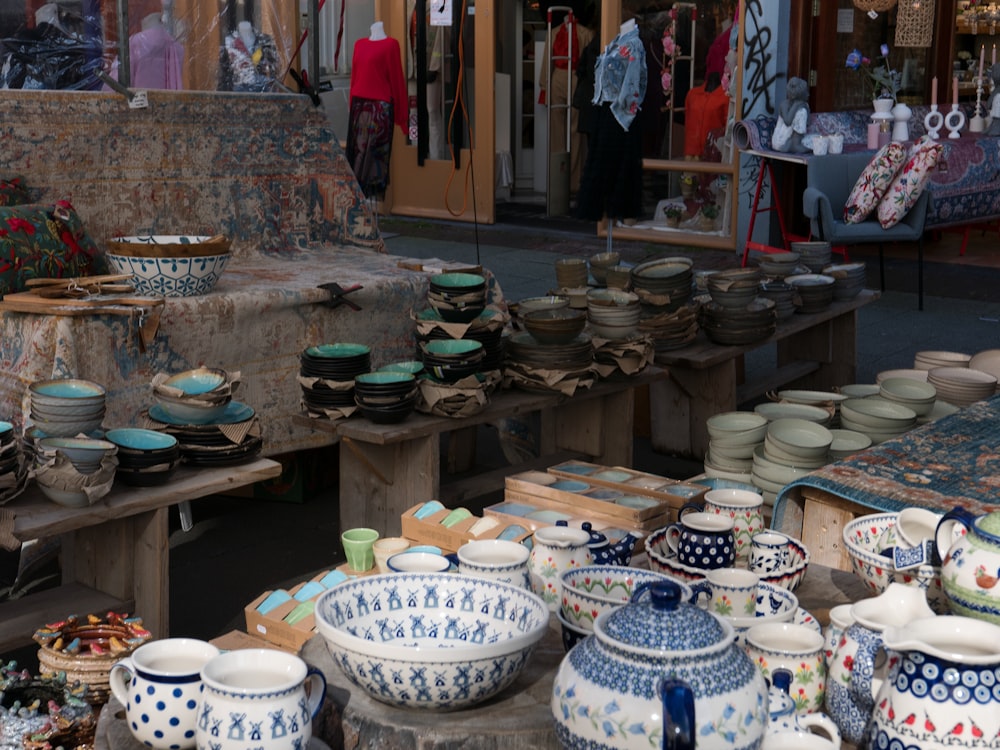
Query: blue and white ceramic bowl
431, 640
592, 589
171, 277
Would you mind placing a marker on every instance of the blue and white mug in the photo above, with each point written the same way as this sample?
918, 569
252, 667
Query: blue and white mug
703, 540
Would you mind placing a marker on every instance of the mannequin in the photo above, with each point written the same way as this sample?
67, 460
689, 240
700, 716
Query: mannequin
49, 14
612, 177
156, 57
248, 60
378, 102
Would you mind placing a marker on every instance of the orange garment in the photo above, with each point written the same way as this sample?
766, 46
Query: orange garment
704, 111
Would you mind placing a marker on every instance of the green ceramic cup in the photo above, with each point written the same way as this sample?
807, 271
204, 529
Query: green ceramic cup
358, 547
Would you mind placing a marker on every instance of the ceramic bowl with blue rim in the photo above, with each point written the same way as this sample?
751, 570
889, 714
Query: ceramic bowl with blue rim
431, 640
171, 277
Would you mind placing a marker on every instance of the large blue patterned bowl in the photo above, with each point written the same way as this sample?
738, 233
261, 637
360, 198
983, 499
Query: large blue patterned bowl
171, 277
431, 640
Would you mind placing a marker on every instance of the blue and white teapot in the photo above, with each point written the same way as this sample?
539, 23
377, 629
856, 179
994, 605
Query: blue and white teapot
660, 672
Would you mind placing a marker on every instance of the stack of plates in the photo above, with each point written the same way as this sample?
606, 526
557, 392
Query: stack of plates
920, 375
930, 360
386, 397
612, 313
146, 458
211, 444
669, 277
526, 356
813, 255
339, 363
774, 410
849, 279
771, 476
733, 437
847, 442
815, 291
738, 326
735, 288
778, 265
450, 360
912, 393
458, 297
13, 468
987, 361
792, 448
876, 417
783, 296
487, 329
66, 407
671, 330
961, 386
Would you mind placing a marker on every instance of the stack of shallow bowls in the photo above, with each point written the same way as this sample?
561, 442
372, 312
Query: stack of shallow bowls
770, 475
737, 326
987, 361
385, 397
450, 360
847, 442
145, 457
669, 279
198, 396
849, 279
912, 393
67, 407
170, 265
599, 265
961, 386
612, 313
559, 326
878, 418
814, 255
86, 454
733, 436
457, 297
912, 374
815, 291
734, 289
211, 444
797, 443
530, 304
783, 296
773, 410
573, 358
337, 363
778, 265
671, 329
928, 360
485, 329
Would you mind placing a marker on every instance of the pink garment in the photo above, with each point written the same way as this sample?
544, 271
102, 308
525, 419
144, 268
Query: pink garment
377, 73
156, 59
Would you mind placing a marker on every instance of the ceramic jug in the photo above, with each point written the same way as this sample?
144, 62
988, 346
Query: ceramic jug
659, 672
556, 549
604, 552
851, 680
258, 698
970, 563
944, 687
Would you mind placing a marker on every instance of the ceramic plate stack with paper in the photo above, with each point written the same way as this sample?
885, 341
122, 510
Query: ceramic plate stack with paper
814, 255
487, 329
778, 265
671, 330
233, 438
530, 364
877, 417
327, 373
782, 294
66, 407
198, 396
612, 314
961, 386
457, 297
928, 360
450, 360
386, 397
849, 279
735, 288
815, 291
732, 326
663, 285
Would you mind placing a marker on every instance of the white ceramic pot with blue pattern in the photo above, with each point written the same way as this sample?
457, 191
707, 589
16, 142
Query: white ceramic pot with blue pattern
658, 667
943, 689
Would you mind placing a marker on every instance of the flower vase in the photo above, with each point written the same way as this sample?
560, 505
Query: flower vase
883, 106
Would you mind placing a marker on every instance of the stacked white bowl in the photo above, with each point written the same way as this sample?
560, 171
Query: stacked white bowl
962, 386
849, 279
612, 313
987, 360
792, 448
877, 417
778, 265
66, 407
912, 393
928, 360
733, 436
772, 410
847, 442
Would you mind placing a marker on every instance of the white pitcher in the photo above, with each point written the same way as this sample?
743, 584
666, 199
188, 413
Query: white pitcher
556, 549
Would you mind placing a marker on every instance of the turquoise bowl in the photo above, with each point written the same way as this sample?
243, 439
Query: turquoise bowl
58, 391
338, 350
138, 439
383, 377
197, 381
413, 367
452, 346
458, 280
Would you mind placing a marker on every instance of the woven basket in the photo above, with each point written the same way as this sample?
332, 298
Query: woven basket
877, 5
92, 670
915, 26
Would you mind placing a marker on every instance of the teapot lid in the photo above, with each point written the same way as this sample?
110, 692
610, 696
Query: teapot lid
662, 621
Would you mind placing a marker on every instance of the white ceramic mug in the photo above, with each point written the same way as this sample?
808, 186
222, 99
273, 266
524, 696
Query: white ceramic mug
797, 649
836, 145
385, 548
497, 559
732, 591
258, 697
159, 685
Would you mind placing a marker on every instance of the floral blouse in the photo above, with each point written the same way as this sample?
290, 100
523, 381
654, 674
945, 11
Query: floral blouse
620, 76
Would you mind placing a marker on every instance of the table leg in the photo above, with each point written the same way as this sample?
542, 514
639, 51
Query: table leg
681, 404
833, 345
379, 482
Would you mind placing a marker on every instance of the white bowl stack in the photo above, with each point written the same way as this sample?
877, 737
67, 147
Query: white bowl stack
988, 361
849, 279
778, 265
912, 393
961, 386
928, 360
66, 407
877, 417
792, 448
847, 442
733, 437
612, 313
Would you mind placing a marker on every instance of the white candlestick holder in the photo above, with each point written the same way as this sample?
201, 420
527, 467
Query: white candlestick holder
955, 121
977, 124
933, 122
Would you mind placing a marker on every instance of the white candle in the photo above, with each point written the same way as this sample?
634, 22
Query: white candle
954, 91
982, 59
934, 90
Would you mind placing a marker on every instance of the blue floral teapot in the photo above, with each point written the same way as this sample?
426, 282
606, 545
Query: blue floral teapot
659, 671
604, 552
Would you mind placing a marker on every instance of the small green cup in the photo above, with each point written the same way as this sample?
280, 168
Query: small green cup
358, 548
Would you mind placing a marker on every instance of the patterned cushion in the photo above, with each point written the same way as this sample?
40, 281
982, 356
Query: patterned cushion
875, 179
39, 241
907, 186
13, 192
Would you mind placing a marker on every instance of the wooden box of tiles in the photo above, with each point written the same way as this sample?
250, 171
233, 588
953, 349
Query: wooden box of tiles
632, 507
285, 617
623, 479
432, 523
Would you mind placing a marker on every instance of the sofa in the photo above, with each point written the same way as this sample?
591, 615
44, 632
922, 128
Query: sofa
267, 171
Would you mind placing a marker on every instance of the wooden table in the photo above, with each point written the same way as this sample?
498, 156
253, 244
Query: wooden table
814, 351
115, 553
386, 469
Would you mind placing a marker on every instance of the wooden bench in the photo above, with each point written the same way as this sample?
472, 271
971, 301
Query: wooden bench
115, 553
387, 468
816, 350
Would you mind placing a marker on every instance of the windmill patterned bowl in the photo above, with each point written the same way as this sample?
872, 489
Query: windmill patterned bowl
431, 640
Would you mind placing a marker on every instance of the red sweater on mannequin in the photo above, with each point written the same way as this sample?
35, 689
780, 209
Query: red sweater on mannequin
377, 73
